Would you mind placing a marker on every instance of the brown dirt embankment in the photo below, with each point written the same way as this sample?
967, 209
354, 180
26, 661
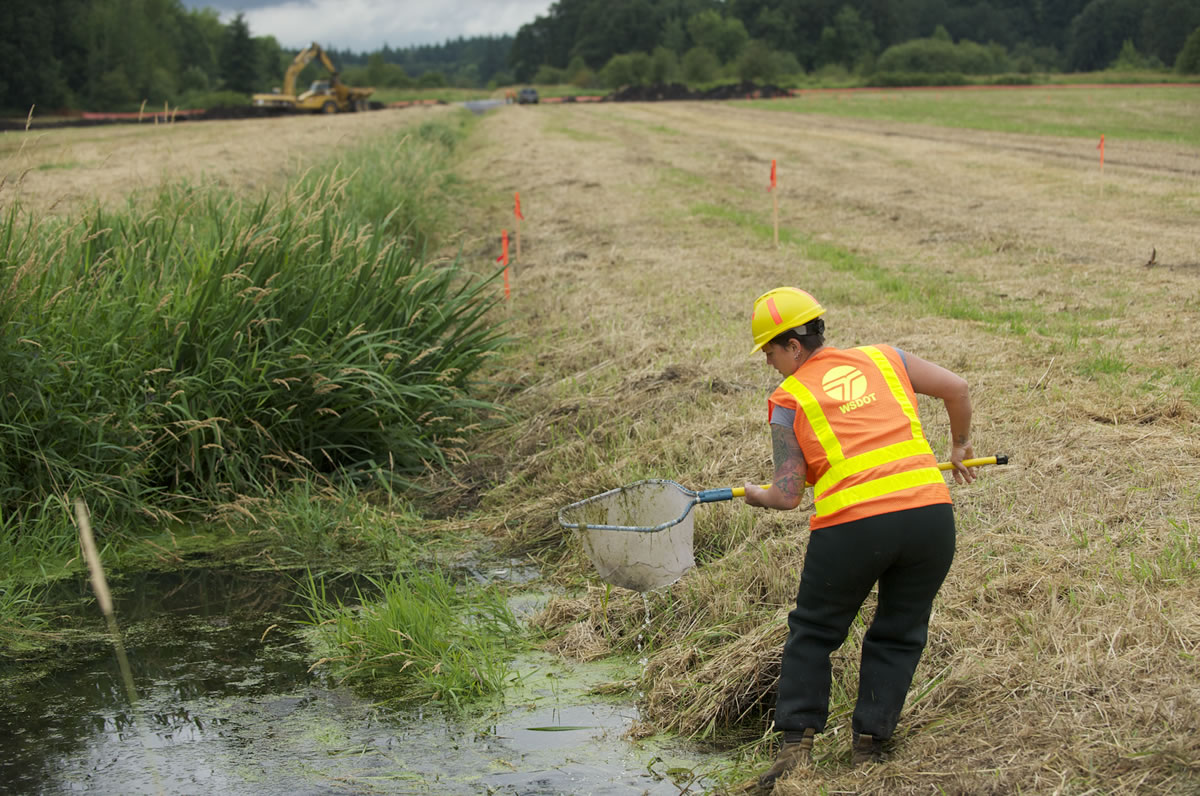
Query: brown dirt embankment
1063, 649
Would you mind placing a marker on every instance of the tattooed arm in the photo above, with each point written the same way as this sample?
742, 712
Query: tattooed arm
931, 379
788, 486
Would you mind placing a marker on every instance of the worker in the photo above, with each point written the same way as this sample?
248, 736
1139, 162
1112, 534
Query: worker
846, 421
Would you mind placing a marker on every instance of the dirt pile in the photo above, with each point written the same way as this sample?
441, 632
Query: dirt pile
657, 92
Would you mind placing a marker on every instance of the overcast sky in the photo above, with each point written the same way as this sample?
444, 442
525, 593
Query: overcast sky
364, 25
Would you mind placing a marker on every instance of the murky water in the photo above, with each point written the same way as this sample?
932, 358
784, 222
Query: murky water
223, 709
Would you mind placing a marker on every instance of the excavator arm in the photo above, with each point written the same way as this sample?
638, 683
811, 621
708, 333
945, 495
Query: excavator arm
303, 59
328, 97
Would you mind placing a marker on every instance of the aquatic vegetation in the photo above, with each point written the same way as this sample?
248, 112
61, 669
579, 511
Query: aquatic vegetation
418, 637
22, 620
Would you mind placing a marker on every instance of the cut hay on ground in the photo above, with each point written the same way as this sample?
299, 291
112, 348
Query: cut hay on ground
1063, 648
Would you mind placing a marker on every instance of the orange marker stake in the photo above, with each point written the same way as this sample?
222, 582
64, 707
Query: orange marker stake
520, 218
1100, 146
775, 196
503, 258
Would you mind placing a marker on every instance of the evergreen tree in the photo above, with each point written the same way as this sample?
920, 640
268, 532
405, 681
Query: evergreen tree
723, 37
201, 35
272, 62
700, 65
1129, 59
675, 36
848, 40
239, 57
1100, 30
32, 73
755, 63
1188, 62
618, 26
665, 66
1166, 25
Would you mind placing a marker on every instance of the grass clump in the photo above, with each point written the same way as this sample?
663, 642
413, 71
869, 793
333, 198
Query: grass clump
22, 619
418, 637
178, 361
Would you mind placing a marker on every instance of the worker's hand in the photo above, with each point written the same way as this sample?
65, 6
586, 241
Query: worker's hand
962, 473
755, 495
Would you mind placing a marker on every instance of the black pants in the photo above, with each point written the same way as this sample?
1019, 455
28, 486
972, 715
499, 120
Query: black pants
908, 553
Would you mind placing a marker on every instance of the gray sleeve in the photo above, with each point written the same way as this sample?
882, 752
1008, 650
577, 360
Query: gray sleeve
782, 416
903, 358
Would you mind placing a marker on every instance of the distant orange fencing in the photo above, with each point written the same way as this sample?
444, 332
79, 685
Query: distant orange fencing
796, 92
93, 116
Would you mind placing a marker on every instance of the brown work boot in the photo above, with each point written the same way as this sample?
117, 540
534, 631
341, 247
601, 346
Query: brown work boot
867, 749
791, 754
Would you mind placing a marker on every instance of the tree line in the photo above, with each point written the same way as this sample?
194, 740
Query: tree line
465, 62
700, 40
108, 54
116, 54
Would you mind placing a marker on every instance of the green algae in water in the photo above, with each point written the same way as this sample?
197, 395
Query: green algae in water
229, 711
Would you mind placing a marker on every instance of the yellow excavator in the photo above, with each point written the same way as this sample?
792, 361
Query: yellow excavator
323, 96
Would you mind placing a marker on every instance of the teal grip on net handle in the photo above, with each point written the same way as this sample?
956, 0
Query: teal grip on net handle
715, 495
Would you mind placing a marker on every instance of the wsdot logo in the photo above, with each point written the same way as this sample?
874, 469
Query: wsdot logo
844, 383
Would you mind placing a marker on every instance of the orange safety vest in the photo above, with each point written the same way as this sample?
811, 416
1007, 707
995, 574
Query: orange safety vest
857, 424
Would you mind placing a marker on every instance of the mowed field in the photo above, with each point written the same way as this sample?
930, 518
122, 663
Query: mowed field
1062, 652
65, 171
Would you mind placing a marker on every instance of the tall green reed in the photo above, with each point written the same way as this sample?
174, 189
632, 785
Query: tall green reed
22, 618
171, 360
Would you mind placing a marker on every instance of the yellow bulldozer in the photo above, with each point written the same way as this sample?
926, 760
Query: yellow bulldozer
323, 96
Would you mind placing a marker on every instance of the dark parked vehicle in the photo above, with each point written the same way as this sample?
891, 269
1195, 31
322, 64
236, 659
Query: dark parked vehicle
527, 96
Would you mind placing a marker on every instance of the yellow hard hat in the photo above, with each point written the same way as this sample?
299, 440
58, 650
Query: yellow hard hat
781, 309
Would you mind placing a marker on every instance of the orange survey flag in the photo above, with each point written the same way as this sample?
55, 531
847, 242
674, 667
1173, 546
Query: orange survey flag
503, 258
1100, 146
517, 208
771, 187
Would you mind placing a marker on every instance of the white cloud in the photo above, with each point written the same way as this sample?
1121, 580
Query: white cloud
364, 25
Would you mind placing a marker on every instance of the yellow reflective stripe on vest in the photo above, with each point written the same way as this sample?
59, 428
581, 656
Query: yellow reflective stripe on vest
816, 419
878, 488
893, 383
865, 461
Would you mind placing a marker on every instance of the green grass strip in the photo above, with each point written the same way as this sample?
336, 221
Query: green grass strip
942, 296
1133, 113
